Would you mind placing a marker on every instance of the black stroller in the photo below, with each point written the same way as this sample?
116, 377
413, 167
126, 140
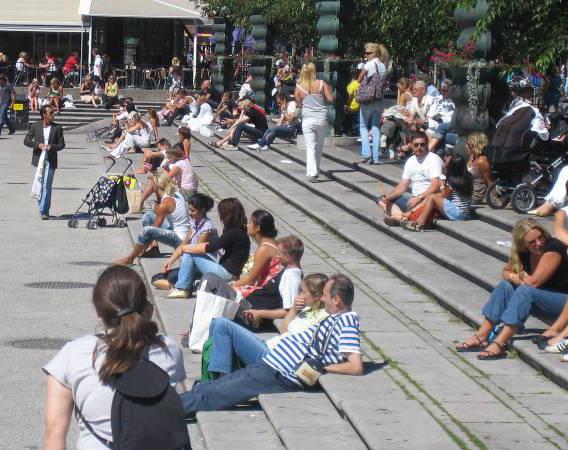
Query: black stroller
524, 174
109, 193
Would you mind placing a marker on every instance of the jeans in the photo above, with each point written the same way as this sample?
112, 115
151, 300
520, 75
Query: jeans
163, 234
273, 133
236, 387
370, 116
443, 133
230, 338
452, 212
315, 131
247, 129
194, 266
45, 200
4, 109
512, 306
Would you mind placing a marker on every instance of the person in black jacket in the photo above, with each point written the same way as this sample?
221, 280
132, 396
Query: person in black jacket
45, 135
197, 259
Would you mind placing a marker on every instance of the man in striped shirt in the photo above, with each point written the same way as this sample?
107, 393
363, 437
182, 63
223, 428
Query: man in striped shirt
276, 372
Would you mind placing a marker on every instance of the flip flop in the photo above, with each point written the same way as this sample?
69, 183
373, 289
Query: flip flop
492, 356
465, 348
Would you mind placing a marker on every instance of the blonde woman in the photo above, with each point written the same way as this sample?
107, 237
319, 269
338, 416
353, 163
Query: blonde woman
169, 224
370, 113
404, 86
229, 338
137, 134
534, 280
311, 96
478, 166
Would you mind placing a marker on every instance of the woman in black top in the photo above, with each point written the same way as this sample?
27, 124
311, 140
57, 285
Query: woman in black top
535, 280
197, 259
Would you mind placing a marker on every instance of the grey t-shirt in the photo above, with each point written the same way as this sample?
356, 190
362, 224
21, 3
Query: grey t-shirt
6, 94
73, 368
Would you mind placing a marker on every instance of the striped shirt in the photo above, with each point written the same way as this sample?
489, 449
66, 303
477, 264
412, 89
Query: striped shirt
462, 202
292, 349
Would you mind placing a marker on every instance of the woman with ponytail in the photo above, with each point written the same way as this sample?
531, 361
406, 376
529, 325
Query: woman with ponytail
535, 280
79, 375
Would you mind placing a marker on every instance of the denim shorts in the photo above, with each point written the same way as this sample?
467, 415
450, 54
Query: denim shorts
452, 212
402, 201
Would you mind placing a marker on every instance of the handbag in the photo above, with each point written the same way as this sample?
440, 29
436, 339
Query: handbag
37, 184
370, 89
310, 369
134, 196
208, 306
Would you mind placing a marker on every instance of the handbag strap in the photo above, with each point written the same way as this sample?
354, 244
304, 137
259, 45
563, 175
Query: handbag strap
88, 426
321, 352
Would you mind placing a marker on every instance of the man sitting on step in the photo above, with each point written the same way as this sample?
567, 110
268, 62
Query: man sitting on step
332, 346
421, 173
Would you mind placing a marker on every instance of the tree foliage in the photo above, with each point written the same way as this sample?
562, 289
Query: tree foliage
529, 28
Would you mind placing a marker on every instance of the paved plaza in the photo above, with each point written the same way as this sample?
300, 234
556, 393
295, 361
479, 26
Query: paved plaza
417, 393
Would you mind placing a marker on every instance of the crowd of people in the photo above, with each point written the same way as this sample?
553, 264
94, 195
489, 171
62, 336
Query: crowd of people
319, 330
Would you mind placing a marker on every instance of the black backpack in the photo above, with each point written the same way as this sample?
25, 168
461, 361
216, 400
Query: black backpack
147, 413
121, 199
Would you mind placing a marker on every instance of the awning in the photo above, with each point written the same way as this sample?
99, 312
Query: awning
154, 9
48, 15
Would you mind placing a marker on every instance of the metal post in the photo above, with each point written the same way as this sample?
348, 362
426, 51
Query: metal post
81, 59
90, 44
195, 59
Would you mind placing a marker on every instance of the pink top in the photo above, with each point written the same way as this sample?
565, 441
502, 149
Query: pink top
187, 178
33, 91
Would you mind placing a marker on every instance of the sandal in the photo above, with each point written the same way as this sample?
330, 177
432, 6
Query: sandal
214, 144
411, 226
466, 348
492, 356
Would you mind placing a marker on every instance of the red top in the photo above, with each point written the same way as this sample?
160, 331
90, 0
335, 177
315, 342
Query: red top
70, 64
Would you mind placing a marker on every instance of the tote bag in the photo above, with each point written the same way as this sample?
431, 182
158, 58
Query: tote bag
371, 88
37, 184
209, 306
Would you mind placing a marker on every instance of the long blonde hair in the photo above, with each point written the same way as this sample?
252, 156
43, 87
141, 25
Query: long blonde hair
166, 184
522, 227
315, 282
478, 141
307, 76
379, 50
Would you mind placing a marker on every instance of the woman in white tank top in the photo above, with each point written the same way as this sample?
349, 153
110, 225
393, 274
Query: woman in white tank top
169, 225
312, 96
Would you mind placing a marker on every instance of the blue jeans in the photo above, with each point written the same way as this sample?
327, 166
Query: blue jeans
272, 133
163, 234
444, 133
370, 116
230, 338
45, 199
4, 108
248, 130
194, 266
452, 212
236, 387
512, 306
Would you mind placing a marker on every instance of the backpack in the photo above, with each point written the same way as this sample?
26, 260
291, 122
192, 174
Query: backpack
370, 89
206, 355
146, 413
121, 199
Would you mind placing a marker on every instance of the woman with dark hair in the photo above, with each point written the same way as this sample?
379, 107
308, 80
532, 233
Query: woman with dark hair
80, 375
198, 258
184, 135
459, 189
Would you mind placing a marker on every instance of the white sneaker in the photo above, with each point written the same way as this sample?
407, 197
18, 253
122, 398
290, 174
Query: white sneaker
264, 148
254, 147
560, 347
178, 293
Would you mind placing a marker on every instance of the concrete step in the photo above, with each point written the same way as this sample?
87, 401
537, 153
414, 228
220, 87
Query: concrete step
237, 430
314, 416
461, 295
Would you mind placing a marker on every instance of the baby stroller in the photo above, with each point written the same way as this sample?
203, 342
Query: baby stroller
108, 193
101, 133
523, 174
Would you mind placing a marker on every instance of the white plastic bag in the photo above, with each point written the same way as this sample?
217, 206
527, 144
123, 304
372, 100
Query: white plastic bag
37, 184
208, 306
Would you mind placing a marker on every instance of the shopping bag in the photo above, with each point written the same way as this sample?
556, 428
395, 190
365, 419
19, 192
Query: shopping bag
37, 184
208, 306
134, 196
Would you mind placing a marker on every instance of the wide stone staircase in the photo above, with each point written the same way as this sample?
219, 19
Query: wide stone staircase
86, 113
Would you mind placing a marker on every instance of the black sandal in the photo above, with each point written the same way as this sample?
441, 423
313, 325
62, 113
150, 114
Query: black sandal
465, 348
491, 356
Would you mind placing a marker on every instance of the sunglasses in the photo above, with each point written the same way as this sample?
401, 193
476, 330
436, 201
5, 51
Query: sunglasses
368, 53
419, 144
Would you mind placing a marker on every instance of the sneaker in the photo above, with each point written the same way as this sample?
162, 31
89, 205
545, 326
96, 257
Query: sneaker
254, 147
45, 217
312, 179
560, 347
264, 148
178, 293
366, 159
